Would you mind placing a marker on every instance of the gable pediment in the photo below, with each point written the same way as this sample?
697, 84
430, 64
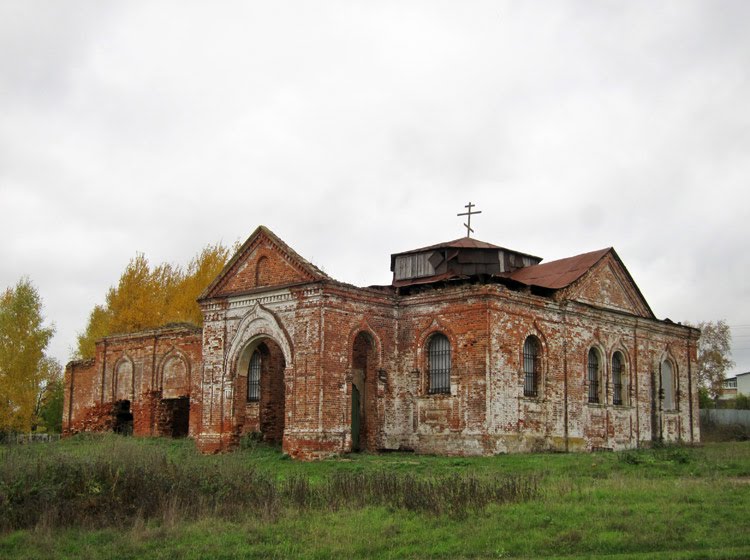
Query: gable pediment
608, 284
264, 260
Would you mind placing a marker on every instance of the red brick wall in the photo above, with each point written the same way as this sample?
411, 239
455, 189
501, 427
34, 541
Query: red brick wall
80, 385
485, 411
608, 286
91, 388
262, 264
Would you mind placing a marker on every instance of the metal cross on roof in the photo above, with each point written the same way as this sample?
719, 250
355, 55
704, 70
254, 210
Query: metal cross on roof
469, 231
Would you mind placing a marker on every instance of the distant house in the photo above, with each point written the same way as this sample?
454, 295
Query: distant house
735, 386
728, 388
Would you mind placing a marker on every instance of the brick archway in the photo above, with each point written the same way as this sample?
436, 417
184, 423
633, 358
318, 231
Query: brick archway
257, 322
364, 394
260, 389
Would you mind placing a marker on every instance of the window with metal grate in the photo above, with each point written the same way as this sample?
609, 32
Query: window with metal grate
593, 376
531, 367
439, 364
253, 377
617, 367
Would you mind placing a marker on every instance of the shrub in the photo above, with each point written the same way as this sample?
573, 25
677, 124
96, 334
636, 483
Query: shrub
631, 457
742, 402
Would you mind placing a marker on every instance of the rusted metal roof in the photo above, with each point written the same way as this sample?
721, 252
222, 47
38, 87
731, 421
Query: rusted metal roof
461, 243
558, 274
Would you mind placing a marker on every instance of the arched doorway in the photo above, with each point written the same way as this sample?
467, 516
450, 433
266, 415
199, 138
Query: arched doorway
364, 393
173, 411
261, 389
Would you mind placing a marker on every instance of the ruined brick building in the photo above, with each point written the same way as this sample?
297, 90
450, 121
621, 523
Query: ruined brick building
473, 349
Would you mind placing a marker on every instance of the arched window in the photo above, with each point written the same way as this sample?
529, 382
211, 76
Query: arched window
253, 377
667, 385
123, 382
594, 376
617, 379
175, 381
531, 367
439, 364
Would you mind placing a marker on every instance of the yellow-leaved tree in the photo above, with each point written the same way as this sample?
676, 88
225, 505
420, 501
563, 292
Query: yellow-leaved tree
23, 370
147, 297
201, 271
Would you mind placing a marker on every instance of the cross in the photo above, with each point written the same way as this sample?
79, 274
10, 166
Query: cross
469, 231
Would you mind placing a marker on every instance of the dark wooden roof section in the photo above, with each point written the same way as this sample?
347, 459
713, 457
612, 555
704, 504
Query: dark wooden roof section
464, 257
428, 279
460, 243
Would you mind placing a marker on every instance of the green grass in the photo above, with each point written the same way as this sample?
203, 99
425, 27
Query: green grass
670, 502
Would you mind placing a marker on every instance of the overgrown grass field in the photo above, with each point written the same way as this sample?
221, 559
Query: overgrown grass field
116, 497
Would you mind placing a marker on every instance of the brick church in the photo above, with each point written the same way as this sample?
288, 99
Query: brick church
473, 349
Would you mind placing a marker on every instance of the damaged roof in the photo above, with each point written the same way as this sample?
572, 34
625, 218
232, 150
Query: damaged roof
560, 273
553, 275
460, 243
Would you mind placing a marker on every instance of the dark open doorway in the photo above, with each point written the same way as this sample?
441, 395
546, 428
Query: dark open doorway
271, 389
174, 417
123, 418
364, 394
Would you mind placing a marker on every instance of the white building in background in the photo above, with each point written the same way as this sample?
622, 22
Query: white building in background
737, 385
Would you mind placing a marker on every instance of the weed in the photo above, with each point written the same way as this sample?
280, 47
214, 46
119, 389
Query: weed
251, 441
252, 504
122, 480
631, 457
674, 453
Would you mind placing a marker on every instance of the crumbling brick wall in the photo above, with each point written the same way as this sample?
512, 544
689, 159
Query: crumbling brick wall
322, 338
136, 368
485, 411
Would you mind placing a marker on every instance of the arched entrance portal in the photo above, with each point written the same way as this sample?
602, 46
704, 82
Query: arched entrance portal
261, 389
364, 394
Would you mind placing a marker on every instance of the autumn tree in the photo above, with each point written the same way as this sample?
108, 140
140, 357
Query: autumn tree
48, 411
23, 371
714, 355
96, 328
142, 297
147, 297
201, 271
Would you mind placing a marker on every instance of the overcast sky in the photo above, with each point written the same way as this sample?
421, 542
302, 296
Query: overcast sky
358, 129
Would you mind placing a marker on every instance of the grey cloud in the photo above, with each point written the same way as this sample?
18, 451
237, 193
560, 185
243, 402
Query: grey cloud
357, 129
